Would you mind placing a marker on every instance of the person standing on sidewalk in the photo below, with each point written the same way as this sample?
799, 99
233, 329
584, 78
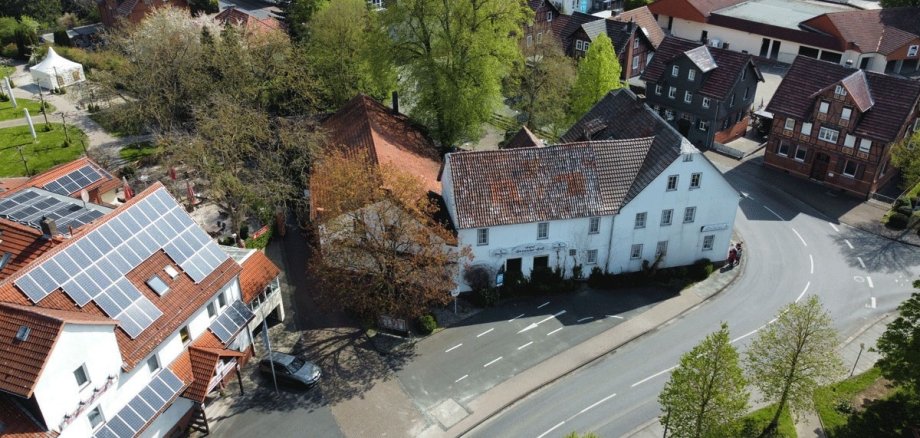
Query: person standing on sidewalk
732, 254
738, 252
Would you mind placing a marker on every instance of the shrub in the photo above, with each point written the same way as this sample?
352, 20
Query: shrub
701, 269
261, 241
577, 272
478, 277
61, 38
486, 297
427, 324
905, 210
897, 221
128, 171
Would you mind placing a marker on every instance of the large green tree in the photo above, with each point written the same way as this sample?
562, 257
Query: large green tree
347, 50
598, 74
905, 155
541, 82
900, 345
44, 11
296, 15
706, 393
455, 54
794, 355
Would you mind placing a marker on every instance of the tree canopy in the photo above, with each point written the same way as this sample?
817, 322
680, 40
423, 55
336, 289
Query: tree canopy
455, 54
541, 82
706, 393
382, 250
899, 345
44, 11
347, 49
905, 155
794, 355
598, 74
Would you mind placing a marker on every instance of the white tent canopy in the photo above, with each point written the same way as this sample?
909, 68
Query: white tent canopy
56, 71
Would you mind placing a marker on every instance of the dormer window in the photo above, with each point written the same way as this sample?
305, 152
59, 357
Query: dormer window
912, 51
839, 91
675, 71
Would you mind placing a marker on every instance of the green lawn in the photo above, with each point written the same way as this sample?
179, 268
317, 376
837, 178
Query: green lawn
137, 151
46, 153
832, 401
7, 112
108, 120
757, 421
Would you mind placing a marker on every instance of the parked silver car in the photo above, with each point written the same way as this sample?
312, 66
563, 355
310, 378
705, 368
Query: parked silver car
290, 369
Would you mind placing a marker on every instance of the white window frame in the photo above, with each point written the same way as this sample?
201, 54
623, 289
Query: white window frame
706, 102
912, 51
539, 37
86, 379
824, 107
188, 332
667, 217
807, 127
529, 40
691, 74
482, 237
688, 97
591, 257
804, 153
155, 360
594, 225
849, 141
673, 180
703, 125
635, 64
675, 71
839, 90
635, 43
549, 16
688, 158
826, 134
747, 92
669, 114
658, 89
709, 241
672, 92
916, 125
641, 219
787, 127
846, 113
579, 45
779, 150
100, 418
661, 249
744, 72
855, 168
865, 145
689, 215
543, 231
585, 45
212, 309
695, 179
635, 252
222, 301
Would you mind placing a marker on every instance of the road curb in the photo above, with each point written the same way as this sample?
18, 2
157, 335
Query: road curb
590, 361
863, 329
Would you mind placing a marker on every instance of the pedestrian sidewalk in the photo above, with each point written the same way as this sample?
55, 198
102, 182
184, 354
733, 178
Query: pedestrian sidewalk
505, 394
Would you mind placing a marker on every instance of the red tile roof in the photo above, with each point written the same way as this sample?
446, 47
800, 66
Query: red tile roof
528, 185
523, 139
874, 30
646, 21
234, 16
106, 184
24, 244
368, 127
893, 99
693, 10
17, 423
7, 184
258, 272
21, 362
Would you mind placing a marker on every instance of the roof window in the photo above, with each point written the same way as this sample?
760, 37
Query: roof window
171, 271
158, 286
23, 333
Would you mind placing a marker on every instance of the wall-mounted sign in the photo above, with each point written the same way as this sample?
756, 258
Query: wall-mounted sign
714, 227
529, 248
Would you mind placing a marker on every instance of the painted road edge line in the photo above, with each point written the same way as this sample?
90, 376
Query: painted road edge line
799, 235
774, 213
485, 332
453, 348
652, 377
551, 429
493, 361
812, 260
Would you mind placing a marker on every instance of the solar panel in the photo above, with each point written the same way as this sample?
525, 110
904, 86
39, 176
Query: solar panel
120, 428
142, 408
172, 381
105, 432
74, 181
231, 321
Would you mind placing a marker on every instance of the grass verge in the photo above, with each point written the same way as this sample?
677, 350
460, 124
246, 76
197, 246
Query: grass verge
138, 151
7, 112
47, 152
757, 421
834, 403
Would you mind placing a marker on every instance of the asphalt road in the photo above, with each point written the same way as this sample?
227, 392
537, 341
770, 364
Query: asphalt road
791, 252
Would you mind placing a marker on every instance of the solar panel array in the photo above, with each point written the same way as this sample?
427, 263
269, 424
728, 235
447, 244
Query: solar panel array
29, 206
231, 321
142, 409
76, 180
93, 267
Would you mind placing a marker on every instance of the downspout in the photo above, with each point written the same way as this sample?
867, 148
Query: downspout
610, 244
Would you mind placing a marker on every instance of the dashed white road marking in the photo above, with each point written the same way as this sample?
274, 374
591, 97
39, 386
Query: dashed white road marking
652, 376
812, 260
585, 319
554, 331
869, 280
543, 305
593, 405
615, 316
551, 429
834, 227
485, 333
525, 345
803, 292
493, 361
464, 376
774, 213
848, 243
872, 302
453, 348
516, 317
861, 262
534, 325
800, 236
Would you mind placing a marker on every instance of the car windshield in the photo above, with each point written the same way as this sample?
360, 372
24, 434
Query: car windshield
296, 364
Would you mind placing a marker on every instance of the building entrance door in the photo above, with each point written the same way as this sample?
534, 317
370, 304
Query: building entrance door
513, 265
819, 167
541, 262
683, 127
